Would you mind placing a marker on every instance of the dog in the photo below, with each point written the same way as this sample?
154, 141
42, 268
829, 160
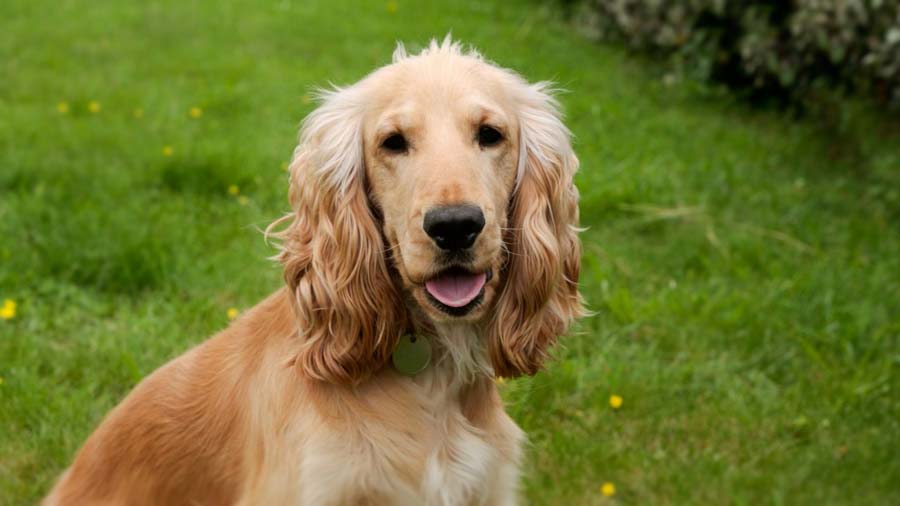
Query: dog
432, 247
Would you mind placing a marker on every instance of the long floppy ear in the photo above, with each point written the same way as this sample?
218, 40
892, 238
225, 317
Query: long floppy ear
539, 298
349, 310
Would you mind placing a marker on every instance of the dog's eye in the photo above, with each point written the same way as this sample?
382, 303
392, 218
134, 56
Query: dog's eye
395, 143
488, 136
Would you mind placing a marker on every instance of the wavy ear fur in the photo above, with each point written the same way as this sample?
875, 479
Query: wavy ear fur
539, 298
348, 307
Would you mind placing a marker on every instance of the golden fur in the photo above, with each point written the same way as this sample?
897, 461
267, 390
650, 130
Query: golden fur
296, 402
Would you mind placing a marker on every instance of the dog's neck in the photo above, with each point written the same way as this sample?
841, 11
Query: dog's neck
461, 351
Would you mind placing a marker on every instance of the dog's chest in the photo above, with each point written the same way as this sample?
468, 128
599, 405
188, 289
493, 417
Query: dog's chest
456, 471
439, 459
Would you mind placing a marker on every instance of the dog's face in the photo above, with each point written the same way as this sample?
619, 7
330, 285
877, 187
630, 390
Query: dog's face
441, 149
439, 179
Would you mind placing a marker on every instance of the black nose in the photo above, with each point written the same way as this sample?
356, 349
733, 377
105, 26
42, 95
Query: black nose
454, 227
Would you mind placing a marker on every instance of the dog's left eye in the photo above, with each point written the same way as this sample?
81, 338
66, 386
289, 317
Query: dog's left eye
488, 136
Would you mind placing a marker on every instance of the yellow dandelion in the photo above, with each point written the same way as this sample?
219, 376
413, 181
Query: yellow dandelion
94, 106
232, 313
168, 151
500, 380
8, 310
608, 489
615, 401
138, 113
233, 190
62, 108
242, 200
392, 7
196, 112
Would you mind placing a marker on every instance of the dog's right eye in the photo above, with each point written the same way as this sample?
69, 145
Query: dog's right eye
395, 143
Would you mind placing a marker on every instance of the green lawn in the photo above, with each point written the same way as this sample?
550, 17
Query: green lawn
744, 267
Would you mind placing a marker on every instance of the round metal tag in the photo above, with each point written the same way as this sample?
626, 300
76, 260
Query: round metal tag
412, 355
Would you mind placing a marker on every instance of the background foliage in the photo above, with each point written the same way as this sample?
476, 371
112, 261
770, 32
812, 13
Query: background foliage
781, 49
743, 266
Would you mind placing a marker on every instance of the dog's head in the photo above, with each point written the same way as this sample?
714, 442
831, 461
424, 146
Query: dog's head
440, 182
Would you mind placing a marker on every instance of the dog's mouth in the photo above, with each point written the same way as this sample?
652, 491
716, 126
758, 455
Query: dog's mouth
456, 290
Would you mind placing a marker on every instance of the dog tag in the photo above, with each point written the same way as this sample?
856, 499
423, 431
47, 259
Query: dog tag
412, 355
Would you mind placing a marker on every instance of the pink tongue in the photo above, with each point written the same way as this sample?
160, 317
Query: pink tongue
455, 290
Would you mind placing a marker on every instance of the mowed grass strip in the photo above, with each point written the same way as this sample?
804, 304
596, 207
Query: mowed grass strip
743, 266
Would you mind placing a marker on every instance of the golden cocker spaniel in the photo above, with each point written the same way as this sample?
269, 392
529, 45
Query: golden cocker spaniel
432, 246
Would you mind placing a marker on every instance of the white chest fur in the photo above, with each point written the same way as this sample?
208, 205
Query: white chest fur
439, 439
433, 440
466, 466
442, 459
459, 470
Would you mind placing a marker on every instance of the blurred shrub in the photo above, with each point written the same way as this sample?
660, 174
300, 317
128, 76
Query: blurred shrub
777, 48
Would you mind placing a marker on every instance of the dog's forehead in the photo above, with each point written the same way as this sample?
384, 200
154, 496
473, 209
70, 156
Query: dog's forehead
409, 114
448, 87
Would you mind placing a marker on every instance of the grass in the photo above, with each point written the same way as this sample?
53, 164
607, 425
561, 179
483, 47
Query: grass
743, 266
